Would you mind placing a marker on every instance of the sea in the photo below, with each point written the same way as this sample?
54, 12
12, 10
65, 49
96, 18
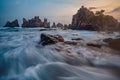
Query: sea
22, 58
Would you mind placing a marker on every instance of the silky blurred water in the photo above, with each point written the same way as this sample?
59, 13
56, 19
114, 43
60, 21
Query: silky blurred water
22, 59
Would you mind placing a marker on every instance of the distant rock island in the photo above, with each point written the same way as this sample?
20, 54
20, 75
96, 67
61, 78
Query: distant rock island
35, 22
84, 19
12, 24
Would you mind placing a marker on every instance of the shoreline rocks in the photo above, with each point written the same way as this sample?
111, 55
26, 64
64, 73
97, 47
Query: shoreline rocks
12, 24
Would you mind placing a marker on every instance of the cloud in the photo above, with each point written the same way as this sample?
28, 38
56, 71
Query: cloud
91, 8
116, 10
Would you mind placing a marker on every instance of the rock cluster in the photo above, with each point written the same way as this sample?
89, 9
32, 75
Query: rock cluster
35, 22
85, 19
12, 24
60, 25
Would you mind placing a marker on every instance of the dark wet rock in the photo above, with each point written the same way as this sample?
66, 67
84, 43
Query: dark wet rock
12, 24
85, 19
71, 43
108, 40
54, 25
60, 25
113, 43
47, 39
46, 24
65, 26
118, 36
77, 39
94, 45
25, 23
46, 29
35, 22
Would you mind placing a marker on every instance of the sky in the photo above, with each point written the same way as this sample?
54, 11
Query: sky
54, 10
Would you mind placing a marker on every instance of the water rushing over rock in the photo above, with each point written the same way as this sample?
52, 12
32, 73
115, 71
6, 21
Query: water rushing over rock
22, 58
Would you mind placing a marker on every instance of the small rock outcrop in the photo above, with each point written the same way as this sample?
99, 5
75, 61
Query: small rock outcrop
47, 39
94, 45
35, 22
66, 26
12, 24
60, 25
85, 19
113, 43
54, 25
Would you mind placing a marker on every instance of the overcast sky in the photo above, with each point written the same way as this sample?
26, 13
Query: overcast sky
54, 10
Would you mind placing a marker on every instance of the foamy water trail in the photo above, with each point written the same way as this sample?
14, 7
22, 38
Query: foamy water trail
21, 58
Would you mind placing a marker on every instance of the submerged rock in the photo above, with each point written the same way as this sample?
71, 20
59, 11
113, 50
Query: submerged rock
47, 39
12, 24
77, 39
94, 45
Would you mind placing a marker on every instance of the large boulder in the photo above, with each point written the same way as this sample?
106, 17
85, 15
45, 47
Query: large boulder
47, 39
12, 24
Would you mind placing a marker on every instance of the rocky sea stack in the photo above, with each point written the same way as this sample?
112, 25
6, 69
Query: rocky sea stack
12, 24
35, 22
85, 19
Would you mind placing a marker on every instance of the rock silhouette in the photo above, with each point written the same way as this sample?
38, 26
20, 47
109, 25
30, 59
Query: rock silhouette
85, 19
54, 25
12, 24
35, 22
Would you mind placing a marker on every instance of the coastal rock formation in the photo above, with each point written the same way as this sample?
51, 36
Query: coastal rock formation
66, 26
50, 39
82, 19
85, 19
35, 22
113, 43
12, 24
54, 25
60, 25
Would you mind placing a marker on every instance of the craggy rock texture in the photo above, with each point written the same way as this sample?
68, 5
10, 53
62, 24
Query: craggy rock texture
12, 24
50, 39
35, 22
85, 19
